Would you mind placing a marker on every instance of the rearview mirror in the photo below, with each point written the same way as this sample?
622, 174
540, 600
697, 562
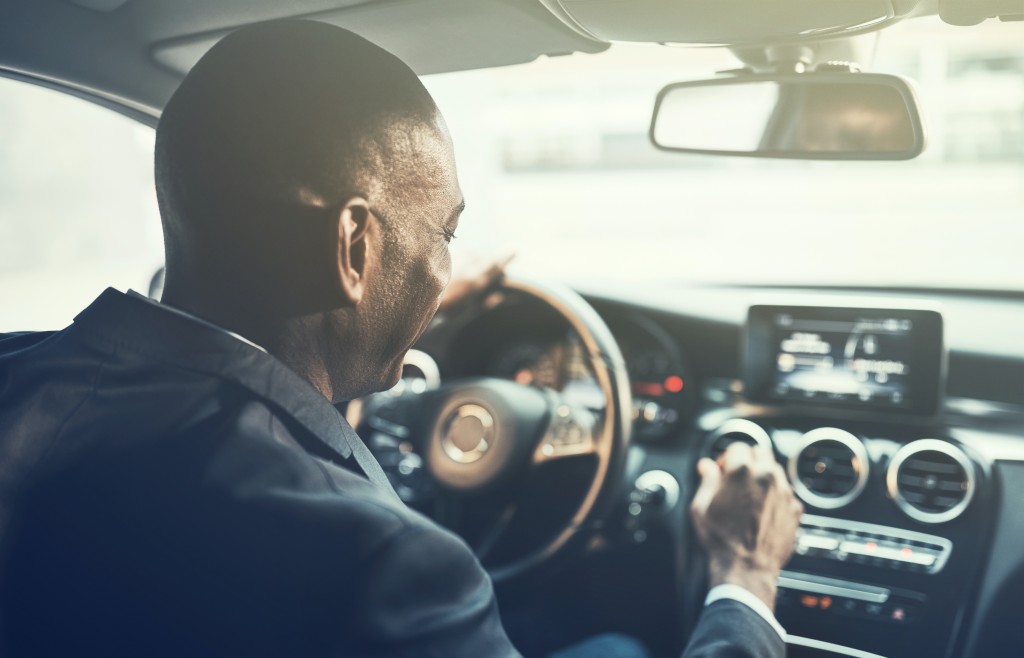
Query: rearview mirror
816, 116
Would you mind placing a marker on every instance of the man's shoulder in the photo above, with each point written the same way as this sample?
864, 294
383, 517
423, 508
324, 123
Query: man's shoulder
262, 450
228, 524
17, 347
19, 340
127, 419
235, 448
231, 492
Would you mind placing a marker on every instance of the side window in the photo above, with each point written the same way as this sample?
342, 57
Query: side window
77, 206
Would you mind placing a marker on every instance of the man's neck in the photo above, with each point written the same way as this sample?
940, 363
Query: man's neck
290, 341
195, 318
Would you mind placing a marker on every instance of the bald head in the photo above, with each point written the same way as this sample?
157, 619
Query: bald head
276, 122
299, 166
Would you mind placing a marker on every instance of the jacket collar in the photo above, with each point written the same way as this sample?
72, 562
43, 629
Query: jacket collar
140, 325
178, 311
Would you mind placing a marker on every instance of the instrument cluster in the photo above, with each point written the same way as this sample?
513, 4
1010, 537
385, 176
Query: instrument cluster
663, 386
660, 382
525, 343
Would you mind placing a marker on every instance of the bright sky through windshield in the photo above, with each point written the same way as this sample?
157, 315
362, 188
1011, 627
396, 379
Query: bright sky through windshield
556, 166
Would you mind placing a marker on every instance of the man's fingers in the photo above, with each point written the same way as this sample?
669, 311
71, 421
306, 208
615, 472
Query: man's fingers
737, 456
766, 466
710, 480
471, 279
491, 272
497, 268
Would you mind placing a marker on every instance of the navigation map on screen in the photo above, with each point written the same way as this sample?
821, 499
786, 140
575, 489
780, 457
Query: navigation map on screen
863, 360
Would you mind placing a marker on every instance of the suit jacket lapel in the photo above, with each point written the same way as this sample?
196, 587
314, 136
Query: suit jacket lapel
175, 339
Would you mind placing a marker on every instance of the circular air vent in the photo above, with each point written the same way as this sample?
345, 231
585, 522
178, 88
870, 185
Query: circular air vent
735, 430
829, 468
932, 481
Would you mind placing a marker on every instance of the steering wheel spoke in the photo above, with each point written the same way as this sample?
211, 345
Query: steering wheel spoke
474, 452
569, 434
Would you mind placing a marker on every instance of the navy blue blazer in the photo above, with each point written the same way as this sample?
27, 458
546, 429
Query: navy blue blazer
169, 490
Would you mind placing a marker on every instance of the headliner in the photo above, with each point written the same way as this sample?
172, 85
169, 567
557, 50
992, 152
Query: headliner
131, 54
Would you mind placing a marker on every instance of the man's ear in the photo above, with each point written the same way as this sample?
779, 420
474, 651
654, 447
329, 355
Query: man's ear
353, 221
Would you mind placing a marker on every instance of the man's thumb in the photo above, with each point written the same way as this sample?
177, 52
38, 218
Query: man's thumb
710, 478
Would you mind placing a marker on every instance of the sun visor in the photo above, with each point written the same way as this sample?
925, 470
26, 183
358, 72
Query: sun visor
725, 21
432, 36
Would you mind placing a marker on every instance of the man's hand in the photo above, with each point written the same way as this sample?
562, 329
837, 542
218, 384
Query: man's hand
472, 279
746, 516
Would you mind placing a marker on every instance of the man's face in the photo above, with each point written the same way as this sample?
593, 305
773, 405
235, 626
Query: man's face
413, 264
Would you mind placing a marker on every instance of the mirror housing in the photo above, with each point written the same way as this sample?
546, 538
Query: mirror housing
813, 116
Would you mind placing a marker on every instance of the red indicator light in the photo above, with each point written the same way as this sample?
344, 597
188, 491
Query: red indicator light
648, 388
870, 545
809, 601
673, 384
826, 602
906, 552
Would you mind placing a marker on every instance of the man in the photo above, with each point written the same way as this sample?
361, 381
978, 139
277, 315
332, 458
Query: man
174, 480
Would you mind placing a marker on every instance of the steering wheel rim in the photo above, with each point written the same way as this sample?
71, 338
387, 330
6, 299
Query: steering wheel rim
609, 367
607, 440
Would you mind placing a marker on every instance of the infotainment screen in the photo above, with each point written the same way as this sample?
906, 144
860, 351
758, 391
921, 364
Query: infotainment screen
871, 358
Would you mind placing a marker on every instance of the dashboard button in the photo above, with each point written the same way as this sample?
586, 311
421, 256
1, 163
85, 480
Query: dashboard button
820, 542
900, 613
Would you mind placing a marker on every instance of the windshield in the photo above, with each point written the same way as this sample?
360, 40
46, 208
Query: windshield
556, 165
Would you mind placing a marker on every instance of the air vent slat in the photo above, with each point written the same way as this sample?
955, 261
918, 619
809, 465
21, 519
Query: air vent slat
931, 480
829, 469
835, 470
921, 466
914, 497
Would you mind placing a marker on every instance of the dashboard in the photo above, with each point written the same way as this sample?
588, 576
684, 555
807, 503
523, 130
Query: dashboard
524, 342
898, 420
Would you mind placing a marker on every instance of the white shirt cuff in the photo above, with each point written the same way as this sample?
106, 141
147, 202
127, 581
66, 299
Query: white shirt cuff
747, 598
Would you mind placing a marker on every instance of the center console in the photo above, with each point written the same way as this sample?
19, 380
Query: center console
892, 535
848, 399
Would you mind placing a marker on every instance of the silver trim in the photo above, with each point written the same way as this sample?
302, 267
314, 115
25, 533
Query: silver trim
818, 542
431, 381
935, 445
454, 452
569, 434
829, 523
860, 453
886, 553
425, 364
811, 643
428, 380
664, 480
984, 408
742, 426
832, 587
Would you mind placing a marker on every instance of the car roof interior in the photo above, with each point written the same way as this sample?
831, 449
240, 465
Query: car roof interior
131, 54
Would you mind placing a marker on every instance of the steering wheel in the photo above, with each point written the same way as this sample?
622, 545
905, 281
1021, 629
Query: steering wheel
484, 444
